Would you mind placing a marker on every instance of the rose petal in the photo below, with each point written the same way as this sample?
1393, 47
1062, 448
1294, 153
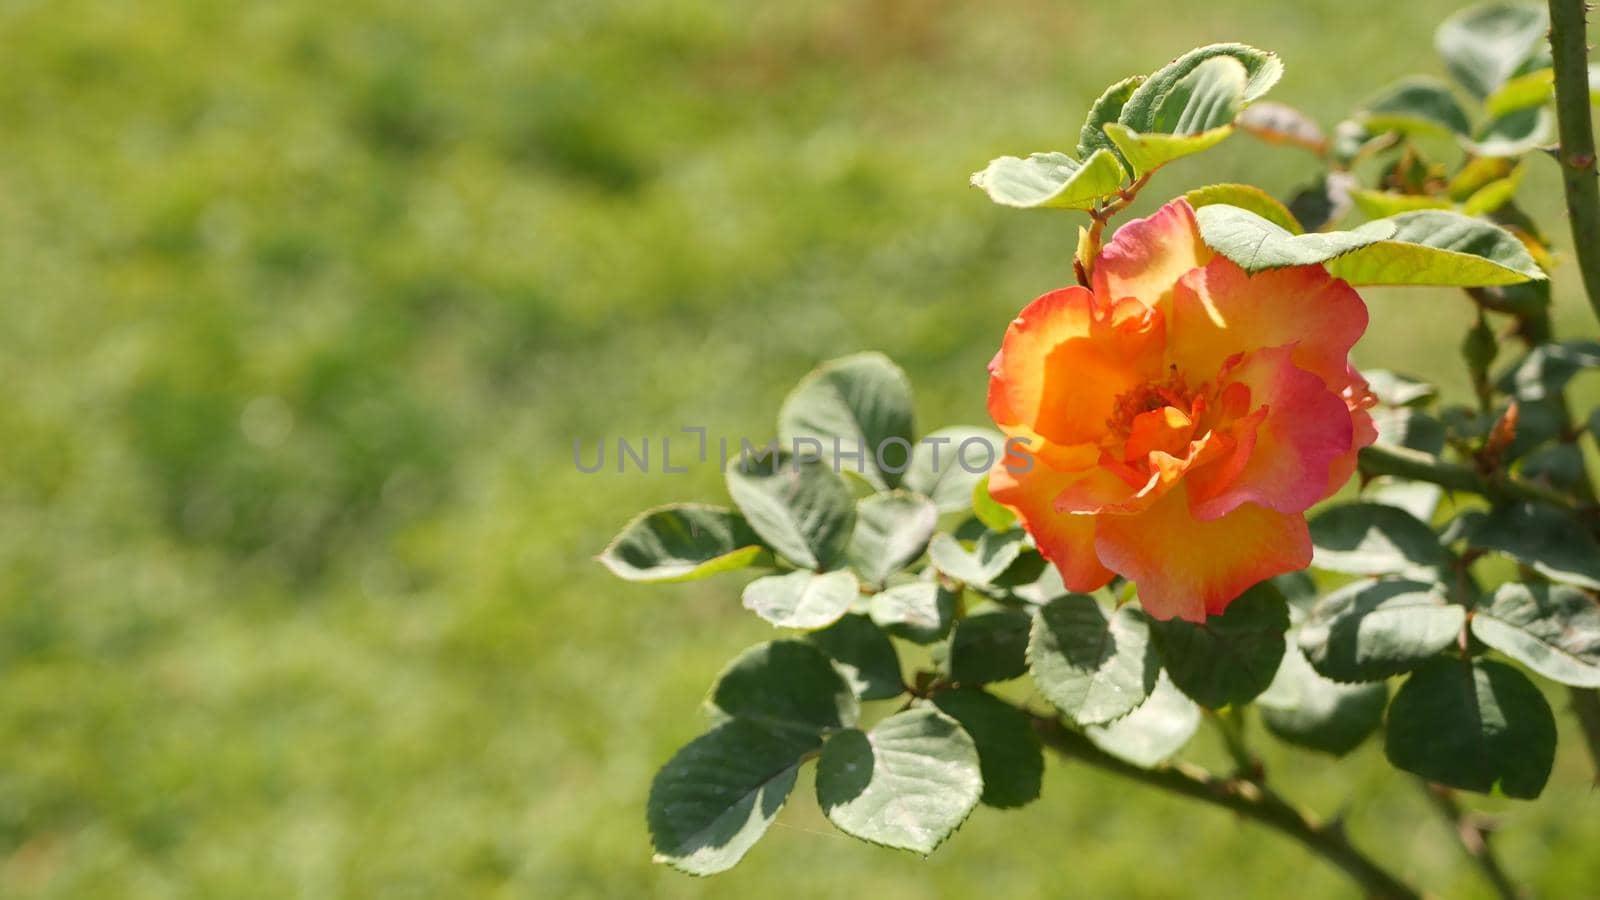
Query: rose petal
1306, 428
1146, 257
1220, 311
1065, 540
1188, 569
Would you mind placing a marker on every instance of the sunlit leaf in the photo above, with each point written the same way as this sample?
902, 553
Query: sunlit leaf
682, 542
1051, 180
908, 783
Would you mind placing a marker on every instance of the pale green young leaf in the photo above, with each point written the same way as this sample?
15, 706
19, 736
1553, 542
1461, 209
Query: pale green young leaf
682, 542
989, 511
1247, 197
1105, 109
1051, 180
1439, 247
1147, 152
1257, 244
1140, 112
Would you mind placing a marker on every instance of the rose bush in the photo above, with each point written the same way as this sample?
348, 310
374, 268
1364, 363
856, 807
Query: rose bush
1180, 417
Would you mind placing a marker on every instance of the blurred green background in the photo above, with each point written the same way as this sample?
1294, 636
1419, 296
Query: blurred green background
305, 304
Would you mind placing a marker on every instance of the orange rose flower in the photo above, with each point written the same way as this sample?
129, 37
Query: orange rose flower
1179, 418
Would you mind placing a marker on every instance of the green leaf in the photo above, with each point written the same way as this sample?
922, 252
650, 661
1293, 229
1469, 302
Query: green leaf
1515, 133
990, 512
860, 402
715, 798
1232, 657
1406, 427
785, 685
1473, 726
1418, 498
1308, 710
1483, 46
1545, 371
1092, 667
892, 530
1106, 109
1149, 101
909, 783
920, 612
1533, 89
1550, 541
987, 561
1560, 465
1369, 630
1009, 755
681, 542
1495, 194
864, 655
1051, 180
1278, 123
1375, 539
1380, 204
936, 465
1256, 244
1147, 152
1210, 96
1246, 197
802, 599
1552, 629
1416, 105
990, 646
1324, 201
800, 507
1394, 389
1149, 735
1439, 247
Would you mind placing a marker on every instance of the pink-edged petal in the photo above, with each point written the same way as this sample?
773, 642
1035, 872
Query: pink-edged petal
1066, 540
1146, 257
1306, 428
1220, 311
1188, 569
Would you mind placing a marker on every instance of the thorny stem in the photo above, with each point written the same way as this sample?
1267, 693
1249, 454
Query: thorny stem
1383, 459
1569, 51
1474, 838
1246, 798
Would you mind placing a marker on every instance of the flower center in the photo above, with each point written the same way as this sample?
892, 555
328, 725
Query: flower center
1148, 397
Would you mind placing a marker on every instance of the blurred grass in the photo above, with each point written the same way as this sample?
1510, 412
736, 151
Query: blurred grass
304, 306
